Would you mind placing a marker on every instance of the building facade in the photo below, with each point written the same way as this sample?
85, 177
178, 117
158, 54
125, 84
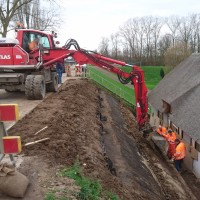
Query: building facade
175, 103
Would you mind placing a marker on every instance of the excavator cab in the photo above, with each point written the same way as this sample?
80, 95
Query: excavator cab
28, 36
31, 40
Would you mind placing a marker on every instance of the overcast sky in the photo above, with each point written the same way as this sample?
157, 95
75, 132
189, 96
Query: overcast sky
88, 21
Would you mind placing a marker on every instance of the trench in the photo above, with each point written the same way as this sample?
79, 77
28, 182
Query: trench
120, 151
87, 122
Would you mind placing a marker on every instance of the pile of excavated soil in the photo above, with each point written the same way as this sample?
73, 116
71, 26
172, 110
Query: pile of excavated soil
86, 124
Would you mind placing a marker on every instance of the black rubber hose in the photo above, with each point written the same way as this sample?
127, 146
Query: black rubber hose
124, 80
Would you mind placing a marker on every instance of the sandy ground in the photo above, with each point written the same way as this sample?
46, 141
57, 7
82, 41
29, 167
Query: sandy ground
90, 125
25, 106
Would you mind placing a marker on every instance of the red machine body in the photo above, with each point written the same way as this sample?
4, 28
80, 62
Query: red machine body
39, 64
13, 56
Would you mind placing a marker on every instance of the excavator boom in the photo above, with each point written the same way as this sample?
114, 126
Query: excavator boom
136, 76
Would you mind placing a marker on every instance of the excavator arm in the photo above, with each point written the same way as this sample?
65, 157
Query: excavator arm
136, 76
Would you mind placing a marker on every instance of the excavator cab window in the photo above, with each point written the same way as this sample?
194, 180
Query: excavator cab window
31, 40
25, 42
45, 42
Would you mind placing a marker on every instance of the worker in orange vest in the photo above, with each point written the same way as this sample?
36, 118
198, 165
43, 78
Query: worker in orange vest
77, 67
161, 130
179, 155
34, 44
68, 70
170, 137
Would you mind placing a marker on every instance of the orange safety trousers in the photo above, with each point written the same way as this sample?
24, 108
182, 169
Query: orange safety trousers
68, 71
171, 150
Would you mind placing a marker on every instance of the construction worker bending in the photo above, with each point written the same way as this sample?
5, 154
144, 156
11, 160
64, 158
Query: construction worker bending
170, 137
161, 130
179, 155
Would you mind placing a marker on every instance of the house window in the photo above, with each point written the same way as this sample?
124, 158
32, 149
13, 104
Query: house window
166, 107
181, 134
174, 128
179, 131
170, 124
160, 115
197, 146
191, 142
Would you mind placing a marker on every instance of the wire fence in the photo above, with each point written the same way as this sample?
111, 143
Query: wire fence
115, 87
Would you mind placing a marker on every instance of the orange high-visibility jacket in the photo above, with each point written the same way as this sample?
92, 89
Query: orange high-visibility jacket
163, 131
33, 45
180, 151
170, 138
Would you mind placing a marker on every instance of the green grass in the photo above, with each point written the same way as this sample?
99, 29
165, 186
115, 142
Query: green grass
116, 87
151, 75
90, 189
50, 196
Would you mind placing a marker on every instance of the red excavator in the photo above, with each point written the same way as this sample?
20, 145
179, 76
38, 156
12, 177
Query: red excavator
27, 63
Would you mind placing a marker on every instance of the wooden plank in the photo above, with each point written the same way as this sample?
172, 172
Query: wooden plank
37, 141
41, 130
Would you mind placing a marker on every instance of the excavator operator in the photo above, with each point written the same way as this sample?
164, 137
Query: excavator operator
34, 44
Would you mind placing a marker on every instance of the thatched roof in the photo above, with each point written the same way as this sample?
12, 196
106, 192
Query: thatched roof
181, 89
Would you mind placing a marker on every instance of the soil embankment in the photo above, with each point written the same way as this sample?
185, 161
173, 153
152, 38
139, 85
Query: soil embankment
87, 124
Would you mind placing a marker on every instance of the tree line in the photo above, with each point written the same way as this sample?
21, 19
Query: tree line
153, 40
145, 40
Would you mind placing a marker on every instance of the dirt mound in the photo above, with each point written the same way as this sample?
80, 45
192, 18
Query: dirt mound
73, 129
87, 124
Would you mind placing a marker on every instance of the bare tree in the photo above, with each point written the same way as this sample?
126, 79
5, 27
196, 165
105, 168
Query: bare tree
23, 13
28, 12
185, 30
8, 9
128, 33
157, 25
115, 42
104, 46
198, 34
164, 44
148, 23
36, 16
140, 37
173, 23
195, 32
